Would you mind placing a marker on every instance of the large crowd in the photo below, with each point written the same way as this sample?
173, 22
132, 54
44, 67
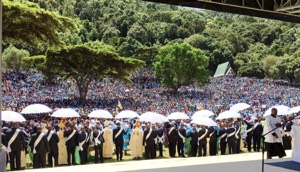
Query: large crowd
62, 139
146, 94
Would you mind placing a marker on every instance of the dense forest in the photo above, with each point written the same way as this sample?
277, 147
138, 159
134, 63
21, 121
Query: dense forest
254, 47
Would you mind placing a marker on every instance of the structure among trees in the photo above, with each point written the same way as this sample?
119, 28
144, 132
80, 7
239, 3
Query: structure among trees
223, 70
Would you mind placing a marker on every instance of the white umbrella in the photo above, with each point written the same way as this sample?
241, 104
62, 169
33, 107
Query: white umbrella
100, 114
204, 121
127, 114
228, 114
36, 109
65, 113
202, 113
11, 116
153, 117
294, 110
239, 107
178, 115
281, 110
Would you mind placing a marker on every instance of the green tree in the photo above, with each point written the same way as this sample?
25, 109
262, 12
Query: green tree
181, 64
12, 57
87, 62
251, 70
269, 66
26, 23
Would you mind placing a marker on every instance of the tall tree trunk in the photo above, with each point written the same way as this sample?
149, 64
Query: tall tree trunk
83, 87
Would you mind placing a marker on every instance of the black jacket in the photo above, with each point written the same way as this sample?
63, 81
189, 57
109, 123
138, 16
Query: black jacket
4, 141
42, 147
150, 141
172, 137
249, 126
220, 134
194, 135
231, 138
212, 134
19, 143
73, 141
201, 133
96, 133
257, 131
183, 133
53, 142
83, 137
119, 139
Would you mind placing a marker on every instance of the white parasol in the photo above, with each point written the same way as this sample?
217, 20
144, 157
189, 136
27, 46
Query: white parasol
153, 117
228, 114
294, 110
65, 113
281, 110
239, 107
104, 114
127, 114
36, 109
178, 115
204, 121
202, 113
10, 116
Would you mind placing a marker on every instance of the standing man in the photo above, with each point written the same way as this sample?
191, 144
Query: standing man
160, 139
181, 140
248, 133
119, 141
15, 144
71, 143
273, 140
172, 138
231, 139
257, 132
222, 134
83, 143
238, 136
97, 137
53, 141
108, 144
202, 141
148, 142
40, 147
212, 133
194, 141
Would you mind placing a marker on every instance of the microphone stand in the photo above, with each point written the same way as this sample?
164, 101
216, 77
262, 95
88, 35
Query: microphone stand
263, 149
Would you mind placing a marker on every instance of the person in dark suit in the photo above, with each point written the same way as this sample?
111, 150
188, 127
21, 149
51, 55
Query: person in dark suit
83, 143
148, 142
181, 140
155, 133
231, 139
203, 133
160, 139
194, 140
53, 141
222, 135
257, 133
40, 147
118, 141
4, 144
287, 139
71, 143
98, 143
212, 133
249, 132
238, 136
15, 146
172, 138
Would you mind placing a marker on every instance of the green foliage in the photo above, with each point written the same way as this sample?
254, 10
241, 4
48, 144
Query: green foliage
12, 57
28, 24
251, 70
34, 62
87, 62
181, 64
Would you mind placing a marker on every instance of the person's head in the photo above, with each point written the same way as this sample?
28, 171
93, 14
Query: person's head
49, 127
274, 111
82, 129
182, 125
148, 126
39, 129
14, 125
118, 124
159, 125
194, 126
153, 126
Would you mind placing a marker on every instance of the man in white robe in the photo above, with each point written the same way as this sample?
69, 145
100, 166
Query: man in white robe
62, 150
273, 140
108, 141
136, 142
295, 133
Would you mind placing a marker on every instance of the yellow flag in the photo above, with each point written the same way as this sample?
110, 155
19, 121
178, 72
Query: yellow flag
120, 105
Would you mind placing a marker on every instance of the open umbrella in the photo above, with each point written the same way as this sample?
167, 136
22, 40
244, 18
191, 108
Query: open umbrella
178, 115
65, 113
281, 110
36, 109
127, 114
10, 116
204, 121
239, 107
202, 113
294, 110
228, 114
153, 117
104, 114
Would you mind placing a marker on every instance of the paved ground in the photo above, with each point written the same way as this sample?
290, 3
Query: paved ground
247, 162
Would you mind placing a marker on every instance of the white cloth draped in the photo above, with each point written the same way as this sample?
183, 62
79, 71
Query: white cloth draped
108, 144
295, 133
136, 143
270, 125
